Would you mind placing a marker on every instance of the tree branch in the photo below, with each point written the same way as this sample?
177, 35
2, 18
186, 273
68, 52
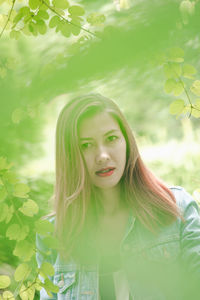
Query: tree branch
13, 3
80, 27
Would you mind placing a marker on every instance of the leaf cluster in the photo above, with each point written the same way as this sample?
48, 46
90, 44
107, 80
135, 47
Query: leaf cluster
40, 15
178, 82
16, 209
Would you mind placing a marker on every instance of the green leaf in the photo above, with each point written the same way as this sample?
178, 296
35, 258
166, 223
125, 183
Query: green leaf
76, 10
43, 14
11, 177
74, 29
29, 208
169, 85
54, 21
42, 28
38, 285
4, 210
177, 107
195, 88
33, 28
195, 112
44, 6
7, 295
14, 34
21, 190
44, 227
187, 109
34, 4
23, 293
26, 30
189, 71
197, 103
24, 232
59, 11
22, 272
27, 293
9, 214
18, 17
31, 290
13, 231
176, 54
18, 115
178, 89
63, 4
196, 109
25, 10
98, 19
46, 270
3, 193
24, 250
65, 29
172, 70
49, 286
4, 281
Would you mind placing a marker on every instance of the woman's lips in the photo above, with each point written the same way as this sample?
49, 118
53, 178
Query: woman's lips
105, 172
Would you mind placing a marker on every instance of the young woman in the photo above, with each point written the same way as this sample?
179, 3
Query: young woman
123, 233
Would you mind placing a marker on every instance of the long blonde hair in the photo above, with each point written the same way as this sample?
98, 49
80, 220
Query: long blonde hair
151, 201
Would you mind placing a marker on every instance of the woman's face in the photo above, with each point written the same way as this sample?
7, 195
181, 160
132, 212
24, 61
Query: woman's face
104, 149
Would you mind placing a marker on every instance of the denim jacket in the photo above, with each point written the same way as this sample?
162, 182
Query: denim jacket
158, 267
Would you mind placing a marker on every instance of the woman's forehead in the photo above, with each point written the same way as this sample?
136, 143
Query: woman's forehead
100, 123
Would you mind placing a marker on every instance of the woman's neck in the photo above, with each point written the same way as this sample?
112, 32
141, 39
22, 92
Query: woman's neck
111, 201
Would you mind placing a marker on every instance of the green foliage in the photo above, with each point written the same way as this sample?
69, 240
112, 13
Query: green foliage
96, 19
32, 20
4, 281
50, 287
46, 270
22, 272
7, 295
176, 73
29, 208
24, 250
21, 190
177, 107
15, 232
76, 10
195, 88
16, 209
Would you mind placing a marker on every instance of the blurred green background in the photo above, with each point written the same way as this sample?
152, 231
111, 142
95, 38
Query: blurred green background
45, 71
39, 74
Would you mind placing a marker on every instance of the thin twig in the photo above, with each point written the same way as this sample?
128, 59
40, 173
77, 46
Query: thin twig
186, 92
8, 18
80, 27
26, 288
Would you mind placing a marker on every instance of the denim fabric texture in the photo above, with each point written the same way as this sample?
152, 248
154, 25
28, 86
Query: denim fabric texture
163, 266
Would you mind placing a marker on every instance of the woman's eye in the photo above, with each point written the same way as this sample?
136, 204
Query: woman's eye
86, 145
112, 138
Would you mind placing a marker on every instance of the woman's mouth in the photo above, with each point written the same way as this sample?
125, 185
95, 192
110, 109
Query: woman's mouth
105, 172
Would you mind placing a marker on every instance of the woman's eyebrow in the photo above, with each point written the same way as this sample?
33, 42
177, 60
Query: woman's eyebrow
108, 132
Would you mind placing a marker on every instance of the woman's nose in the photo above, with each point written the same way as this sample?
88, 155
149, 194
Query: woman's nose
102, 157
